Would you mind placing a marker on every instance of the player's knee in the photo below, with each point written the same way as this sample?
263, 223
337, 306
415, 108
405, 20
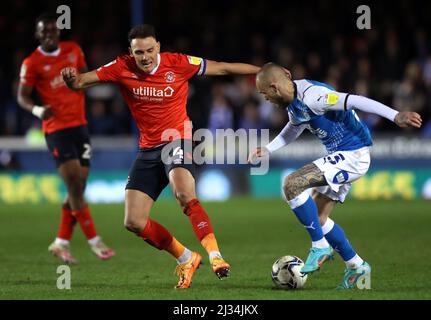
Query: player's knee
184, 197
73, 183
135, 225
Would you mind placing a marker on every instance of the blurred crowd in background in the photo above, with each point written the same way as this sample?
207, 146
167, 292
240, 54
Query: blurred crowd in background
316, 40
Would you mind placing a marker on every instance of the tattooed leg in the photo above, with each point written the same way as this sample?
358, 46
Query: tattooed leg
309, 176
305, 209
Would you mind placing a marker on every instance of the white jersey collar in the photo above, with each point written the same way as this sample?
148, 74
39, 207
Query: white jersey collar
54, 53
157, 66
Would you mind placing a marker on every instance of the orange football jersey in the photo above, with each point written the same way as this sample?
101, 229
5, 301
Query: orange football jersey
42, 71
157, 100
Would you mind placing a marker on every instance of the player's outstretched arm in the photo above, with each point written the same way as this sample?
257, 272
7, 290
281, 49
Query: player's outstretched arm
322, 100
403, 119
289, 134
214, 68
77, 81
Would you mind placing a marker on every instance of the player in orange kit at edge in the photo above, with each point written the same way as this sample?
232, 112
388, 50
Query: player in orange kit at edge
65, 128
155, 87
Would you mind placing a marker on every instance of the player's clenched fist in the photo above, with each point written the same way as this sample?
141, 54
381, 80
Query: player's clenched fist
42, 112
257, 153
70, 75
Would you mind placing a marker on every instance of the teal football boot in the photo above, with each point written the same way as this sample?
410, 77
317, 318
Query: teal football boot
316, 258
352, 275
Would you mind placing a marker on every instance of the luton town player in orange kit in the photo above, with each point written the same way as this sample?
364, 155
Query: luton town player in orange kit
155, 87
65, 128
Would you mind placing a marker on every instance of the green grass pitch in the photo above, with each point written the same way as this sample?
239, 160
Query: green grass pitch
394, 236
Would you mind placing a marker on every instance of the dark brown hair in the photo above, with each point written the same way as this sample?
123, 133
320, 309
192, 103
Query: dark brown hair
142, 31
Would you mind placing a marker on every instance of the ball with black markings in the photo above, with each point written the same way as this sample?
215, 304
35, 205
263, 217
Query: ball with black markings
286, 273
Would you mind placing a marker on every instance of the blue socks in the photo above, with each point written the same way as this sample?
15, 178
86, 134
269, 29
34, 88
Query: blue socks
337, 238
305, 210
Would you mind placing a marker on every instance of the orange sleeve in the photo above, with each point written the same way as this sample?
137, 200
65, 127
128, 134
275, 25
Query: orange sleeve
27, 75
189, 65
110, 71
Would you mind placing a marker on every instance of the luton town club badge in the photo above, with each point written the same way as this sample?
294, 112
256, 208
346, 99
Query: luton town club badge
170, 76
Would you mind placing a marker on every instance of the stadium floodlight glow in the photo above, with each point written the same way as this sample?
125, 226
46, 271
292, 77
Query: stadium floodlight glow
213, 185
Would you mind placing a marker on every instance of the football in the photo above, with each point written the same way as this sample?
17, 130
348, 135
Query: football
286, 273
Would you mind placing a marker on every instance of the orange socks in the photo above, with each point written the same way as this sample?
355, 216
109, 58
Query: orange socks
202, 227
67, 223
156, 235
175, 248
86, 222
210, 243
159, 237
199, 219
